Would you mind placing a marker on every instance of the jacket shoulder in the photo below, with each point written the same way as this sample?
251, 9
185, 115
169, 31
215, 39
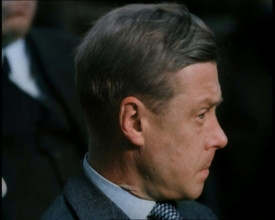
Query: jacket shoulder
81, 199
194, 210
59, 209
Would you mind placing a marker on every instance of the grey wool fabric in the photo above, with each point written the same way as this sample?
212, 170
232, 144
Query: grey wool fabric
81, 199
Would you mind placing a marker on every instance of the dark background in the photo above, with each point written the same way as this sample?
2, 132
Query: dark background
238, 187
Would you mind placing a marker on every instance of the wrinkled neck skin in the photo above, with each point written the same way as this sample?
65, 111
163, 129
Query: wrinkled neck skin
118, 165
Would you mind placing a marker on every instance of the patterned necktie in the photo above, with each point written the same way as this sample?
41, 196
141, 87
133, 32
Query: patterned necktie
164, 211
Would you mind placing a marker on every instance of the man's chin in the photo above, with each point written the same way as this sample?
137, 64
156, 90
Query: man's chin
182, 195
193, 193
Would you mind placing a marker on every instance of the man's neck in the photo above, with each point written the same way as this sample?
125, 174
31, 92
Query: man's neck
119, 167
133, 206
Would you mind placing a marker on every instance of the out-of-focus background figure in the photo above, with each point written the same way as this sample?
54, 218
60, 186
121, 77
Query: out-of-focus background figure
43, 136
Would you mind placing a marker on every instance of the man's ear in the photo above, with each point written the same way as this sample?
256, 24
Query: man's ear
130, 119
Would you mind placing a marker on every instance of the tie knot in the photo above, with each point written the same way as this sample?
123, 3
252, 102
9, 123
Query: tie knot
164, 211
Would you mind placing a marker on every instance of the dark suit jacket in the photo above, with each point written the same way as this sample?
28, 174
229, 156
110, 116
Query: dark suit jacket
42, 143
81, 199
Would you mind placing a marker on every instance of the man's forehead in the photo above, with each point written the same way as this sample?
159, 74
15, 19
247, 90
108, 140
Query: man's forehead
197, 77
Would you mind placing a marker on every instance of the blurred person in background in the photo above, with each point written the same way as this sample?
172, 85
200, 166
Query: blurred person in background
43, 132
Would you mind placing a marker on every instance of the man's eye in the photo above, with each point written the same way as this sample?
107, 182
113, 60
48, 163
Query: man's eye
201, 116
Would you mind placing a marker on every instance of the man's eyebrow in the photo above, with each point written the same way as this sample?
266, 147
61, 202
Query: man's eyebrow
212, 103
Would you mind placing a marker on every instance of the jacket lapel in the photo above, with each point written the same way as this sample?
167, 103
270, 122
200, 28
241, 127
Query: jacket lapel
89, 202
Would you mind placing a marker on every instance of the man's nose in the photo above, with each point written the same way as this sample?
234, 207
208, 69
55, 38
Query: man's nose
222, 139
218, 138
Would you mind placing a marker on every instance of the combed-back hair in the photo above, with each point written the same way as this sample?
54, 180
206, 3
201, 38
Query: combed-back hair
134, 51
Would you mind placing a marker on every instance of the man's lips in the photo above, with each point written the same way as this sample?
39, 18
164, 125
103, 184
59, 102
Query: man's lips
205, 171
205, 168
209, 161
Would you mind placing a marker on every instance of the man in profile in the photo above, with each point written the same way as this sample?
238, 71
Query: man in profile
148, 84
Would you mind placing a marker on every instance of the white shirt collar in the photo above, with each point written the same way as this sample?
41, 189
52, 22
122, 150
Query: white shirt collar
19, 62
132, 206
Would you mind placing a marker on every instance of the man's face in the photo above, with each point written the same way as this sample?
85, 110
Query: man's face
180, 144
16, 18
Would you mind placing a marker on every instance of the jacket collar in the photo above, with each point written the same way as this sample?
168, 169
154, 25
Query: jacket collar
89, 202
